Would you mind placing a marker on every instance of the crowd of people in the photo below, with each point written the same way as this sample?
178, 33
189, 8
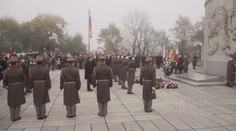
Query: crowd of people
23, 73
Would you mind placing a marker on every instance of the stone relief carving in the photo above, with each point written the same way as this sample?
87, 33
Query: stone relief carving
222, 31
230, 47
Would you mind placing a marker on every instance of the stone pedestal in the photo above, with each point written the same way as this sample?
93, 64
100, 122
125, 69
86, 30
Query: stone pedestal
220, 35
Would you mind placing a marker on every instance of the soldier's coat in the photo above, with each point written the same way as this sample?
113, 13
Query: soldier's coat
131, 72
123, 71
102, 78
40, 89
70, 81
148, 72
14, 79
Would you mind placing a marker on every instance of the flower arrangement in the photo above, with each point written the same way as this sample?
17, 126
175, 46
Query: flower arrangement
170, 85
160, 83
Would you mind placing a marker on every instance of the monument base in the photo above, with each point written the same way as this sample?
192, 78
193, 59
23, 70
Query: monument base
199, 79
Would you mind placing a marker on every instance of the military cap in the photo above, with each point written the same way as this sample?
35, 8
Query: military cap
39, 58
14, 60
70, 59
102, 58
148, 59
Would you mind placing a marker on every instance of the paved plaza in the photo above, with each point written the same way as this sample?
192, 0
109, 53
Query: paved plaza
187, 108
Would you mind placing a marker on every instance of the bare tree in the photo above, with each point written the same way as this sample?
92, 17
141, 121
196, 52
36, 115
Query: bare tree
135, 24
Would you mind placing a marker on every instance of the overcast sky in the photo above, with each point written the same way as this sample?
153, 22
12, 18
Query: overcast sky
163, 13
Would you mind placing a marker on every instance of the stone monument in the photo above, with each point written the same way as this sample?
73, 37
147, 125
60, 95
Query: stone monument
220, 35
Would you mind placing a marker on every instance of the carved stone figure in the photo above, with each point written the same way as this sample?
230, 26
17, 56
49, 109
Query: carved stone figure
217, 29
222, 31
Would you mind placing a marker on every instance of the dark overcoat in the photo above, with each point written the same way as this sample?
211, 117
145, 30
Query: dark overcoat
114, 66
70, 81
131, 72
119, 67
89, 67
39, 80
3, 66
102, 78
148, 79
14, 79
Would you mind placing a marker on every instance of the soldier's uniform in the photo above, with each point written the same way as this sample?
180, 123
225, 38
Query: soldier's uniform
102, 78
123, 72
131, 75
39, 80
231, 69
147, 79
114, 68
70, 81
119, 66
14, 80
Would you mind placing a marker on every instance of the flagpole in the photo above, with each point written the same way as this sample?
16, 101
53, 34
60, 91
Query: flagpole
88, 32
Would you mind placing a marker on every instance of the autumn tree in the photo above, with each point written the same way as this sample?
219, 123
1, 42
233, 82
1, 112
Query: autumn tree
73, 44
183, 30
9, 34
46, 31
111, 38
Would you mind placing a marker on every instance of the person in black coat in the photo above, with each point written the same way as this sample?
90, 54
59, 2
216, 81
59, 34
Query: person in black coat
89, 67
3, 66
180, 64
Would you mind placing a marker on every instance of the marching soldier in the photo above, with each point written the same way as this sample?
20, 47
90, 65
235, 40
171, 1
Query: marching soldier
231, 69
102, 78
14, 80
131, 75
70, 81
148, 79
39, 80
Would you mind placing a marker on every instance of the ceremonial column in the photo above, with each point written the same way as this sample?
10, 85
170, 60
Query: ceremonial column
220, 35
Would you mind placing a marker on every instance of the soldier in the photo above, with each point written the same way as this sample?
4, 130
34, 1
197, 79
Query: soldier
39, 80
123, 72
14, 83
25, 67
114, 68
119, 63
89, 67
148, 79
102, 78
70, 81
131, 74
231, 69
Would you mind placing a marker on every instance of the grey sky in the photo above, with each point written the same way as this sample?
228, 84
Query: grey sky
163, 13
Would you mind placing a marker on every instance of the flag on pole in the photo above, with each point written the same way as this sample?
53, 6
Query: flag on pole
11, 53
177, 51
90, 25
164, 52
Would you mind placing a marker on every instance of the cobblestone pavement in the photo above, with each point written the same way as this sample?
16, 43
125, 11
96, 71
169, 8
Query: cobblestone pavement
186, 108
